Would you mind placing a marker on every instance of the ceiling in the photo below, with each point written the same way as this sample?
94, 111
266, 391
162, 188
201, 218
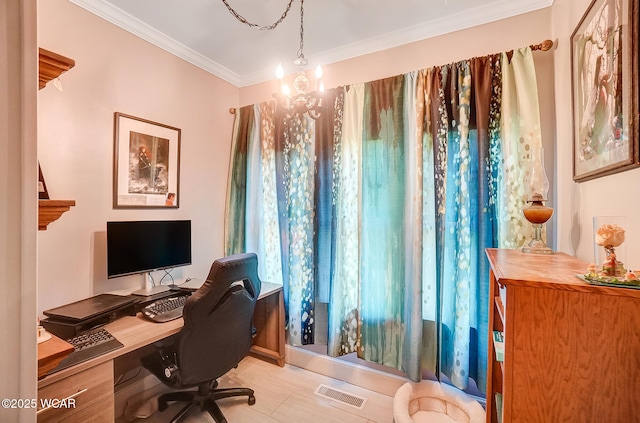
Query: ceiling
204, 33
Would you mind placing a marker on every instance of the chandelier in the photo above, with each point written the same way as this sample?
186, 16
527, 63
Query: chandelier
300, 101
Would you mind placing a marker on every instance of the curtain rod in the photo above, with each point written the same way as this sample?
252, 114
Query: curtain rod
543, 46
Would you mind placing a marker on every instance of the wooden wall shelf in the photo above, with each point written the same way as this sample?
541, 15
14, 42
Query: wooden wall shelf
51, 66
50, 210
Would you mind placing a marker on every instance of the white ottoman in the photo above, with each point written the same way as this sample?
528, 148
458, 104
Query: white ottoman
434, 402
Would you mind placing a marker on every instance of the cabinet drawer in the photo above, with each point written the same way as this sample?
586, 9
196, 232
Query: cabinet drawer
88, 394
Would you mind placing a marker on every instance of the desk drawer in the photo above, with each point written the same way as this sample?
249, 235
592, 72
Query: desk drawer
86, 396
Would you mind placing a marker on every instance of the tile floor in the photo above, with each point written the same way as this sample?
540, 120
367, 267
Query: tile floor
286, 395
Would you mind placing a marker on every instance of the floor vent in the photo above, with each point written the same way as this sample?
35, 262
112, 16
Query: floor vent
341, 396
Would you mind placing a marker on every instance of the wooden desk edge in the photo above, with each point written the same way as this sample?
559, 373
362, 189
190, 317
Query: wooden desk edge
133, 332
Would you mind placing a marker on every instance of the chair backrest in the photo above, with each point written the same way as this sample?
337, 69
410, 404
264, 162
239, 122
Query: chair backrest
217, 331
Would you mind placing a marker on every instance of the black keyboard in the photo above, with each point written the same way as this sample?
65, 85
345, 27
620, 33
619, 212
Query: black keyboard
165, 309
88, 345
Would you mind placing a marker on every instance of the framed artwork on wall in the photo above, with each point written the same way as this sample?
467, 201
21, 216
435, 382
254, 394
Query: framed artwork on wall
604, 79
146, 164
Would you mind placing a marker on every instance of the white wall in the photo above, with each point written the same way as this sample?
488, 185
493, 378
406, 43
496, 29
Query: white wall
18, 205
578, 203
118, 72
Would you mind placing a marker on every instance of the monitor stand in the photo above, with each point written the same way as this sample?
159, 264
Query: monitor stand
147, 292
150, 288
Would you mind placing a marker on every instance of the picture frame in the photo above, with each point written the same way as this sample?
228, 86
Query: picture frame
146, 164
604, 82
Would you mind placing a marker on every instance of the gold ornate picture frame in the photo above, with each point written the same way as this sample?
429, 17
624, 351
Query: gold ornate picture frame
604, 78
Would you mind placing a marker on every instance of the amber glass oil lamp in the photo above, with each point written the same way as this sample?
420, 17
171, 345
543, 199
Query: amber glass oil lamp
537, 213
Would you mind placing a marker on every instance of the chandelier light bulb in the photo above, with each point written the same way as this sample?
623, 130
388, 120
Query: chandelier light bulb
280, 72
321, 89
285, 90
319, 72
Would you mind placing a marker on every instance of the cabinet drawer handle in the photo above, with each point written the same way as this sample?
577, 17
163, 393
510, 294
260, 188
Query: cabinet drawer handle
63, 400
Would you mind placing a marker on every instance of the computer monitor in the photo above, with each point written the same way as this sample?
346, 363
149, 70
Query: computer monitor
139, 247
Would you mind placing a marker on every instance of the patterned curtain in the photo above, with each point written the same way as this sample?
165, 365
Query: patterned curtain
521, 136
375, 307
236, 207
382, 224
251, 220
297, 220
464, 215
384, 206
344, 302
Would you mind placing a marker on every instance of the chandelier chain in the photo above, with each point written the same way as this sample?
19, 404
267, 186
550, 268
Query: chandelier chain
301, 49
254, 25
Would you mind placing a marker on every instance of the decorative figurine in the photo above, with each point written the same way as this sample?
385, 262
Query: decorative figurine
611, 236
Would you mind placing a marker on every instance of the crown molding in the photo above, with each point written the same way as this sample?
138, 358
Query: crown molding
140, 29
469, 18
479, 15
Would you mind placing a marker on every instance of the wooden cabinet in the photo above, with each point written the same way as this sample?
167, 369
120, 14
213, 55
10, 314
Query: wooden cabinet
571, 350
86, 396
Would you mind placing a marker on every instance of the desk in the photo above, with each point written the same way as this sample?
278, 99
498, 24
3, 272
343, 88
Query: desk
90, 385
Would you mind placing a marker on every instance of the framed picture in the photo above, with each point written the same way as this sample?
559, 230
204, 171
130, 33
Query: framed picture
146, 164
604, 78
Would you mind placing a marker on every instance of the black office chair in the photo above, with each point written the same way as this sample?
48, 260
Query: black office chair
216, 336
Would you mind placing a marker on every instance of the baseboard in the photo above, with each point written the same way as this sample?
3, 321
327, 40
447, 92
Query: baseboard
355, 374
